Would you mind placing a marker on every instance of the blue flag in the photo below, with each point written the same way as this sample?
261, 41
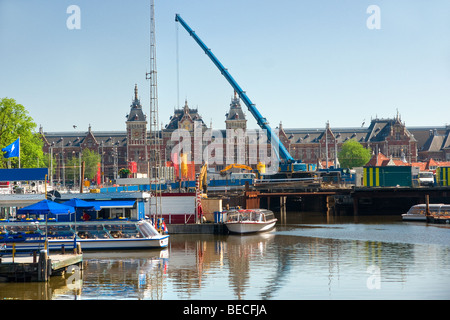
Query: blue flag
12, 151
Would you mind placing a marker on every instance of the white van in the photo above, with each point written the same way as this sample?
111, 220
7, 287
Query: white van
426, 178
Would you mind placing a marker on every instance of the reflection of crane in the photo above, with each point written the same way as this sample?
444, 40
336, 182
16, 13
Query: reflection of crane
286, 255
287, 161
234, 165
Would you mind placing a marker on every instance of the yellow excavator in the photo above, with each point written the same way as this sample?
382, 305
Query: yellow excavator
235, 165
203, 183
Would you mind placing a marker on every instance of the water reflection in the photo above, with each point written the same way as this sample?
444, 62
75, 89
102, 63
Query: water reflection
243, 252
125, 274
214, 267
305, 257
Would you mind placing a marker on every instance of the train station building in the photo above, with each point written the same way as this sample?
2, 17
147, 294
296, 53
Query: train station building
131, 147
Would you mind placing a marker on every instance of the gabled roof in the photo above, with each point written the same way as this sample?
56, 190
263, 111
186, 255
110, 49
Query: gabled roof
436, 142
315, 135
378, 160
76, 139
379, 129
181, 114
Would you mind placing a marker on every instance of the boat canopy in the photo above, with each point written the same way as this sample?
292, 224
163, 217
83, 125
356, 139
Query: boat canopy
114, 204
46, 207
435, 208
250, 215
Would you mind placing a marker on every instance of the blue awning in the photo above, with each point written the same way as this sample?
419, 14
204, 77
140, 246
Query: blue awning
26, 174
46, 207
114, 204
77, 203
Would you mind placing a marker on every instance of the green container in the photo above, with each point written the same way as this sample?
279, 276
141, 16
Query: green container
388, 176
443, 176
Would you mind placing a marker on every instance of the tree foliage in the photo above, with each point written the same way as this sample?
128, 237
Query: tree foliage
15, 122
91, 160
73, 168
353, 154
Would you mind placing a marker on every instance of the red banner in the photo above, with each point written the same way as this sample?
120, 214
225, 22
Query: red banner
132, 166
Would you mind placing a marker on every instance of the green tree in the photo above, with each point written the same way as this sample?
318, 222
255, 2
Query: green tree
91, 160
73, 168
47, 163
353, 154
15, 122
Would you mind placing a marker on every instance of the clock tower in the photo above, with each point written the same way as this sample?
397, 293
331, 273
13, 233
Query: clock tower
137, 145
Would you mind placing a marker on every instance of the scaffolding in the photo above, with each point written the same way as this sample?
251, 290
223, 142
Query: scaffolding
154, 133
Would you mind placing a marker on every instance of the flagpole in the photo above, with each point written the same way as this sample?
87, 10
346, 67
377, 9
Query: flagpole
19, 151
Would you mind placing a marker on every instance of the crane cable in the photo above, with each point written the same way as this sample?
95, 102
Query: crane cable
178, 66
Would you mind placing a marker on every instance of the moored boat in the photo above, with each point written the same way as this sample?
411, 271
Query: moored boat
29, 236
418, 211
250, 220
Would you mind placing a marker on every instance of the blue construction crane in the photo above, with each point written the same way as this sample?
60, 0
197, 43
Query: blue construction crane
287, 162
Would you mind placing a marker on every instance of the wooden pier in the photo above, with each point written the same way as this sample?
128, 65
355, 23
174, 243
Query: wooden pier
37, 267
353, 201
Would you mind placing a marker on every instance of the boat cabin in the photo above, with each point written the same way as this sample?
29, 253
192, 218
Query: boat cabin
255, 215
111, 206
435, 209
20, 231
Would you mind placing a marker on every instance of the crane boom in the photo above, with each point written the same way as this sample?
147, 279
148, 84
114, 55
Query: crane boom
262, 122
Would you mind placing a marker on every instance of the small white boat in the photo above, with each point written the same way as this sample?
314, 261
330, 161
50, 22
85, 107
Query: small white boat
418, 211
90, 235
250, 220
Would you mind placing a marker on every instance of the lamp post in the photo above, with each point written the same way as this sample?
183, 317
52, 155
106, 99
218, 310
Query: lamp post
74, 166
79, 163
62, 160
116, 156
103, 164
51, 164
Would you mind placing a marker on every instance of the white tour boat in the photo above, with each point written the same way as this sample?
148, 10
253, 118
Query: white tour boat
98, 235
250, 220
418, 211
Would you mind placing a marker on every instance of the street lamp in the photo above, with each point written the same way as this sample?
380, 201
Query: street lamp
103, 164
62, 160
51, 164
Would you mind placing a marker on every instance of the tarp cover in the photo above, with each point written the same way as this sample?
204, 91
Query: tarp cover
45, 207
78, 203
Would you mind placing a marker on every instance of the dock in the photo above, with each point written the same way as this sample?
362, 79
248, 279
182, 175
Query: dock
355, 200
37, 267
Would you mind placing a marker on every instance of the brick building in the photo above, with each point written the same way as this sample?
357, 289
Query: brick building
118, 149
437, 145
388, 136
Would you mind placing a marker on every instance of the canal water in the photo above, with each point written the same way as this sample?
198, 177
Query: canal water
307, 256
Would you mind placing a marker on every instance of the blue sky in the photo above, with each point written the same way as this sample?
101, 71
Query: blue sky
301, 62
